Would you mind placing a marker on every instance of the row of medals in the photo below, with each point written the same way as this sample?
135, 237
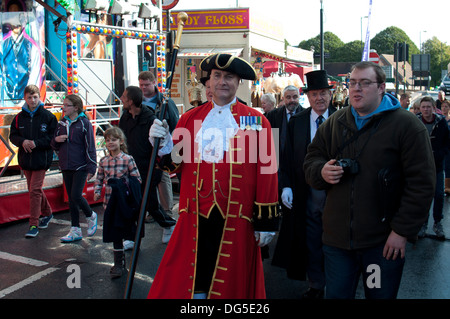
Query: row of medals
250, 123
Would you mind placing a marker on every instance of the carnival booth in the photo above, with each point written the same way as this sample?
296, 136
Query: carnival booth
79, 58
239, 31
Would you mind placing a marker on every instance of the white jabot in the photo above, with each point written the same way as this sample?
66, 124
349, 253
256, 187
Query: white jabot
213, 138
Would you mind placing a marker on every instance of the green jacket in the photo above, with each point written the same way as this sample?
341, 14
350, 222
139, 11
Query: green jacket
352, 217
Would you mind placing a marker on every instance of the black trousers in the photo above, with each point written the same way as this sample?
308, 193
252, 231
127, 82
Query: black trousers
210, 232
74, 182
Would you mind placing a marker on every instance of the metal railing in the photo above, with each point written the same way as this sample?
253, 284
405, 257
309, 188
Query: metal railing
104, 113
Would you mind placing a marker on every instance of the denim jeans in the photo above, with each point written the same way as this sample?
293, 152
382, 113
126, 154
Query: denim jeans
343, 269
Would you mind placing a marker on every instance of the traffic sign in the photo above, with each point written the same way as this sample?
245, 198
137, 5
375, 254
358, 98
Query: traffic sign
374, 57
167, 4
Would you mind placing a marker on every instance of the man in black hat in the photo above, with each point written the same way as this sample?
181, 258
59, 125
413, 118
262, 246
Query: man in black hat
208, 92
225, 153
299, 246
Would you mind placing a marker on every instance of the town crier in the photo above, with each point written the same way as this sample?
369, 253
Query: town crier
225, 153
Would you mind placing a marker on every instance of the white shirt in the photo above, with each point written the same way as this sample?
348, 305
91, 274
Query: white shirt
312, 121
218, 127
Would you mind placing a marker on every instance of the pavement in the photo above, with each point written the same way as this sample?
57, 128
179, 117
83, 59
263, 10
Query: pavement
45, 268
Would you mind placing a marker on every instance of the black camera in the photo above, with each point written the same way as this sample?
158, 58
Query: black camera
350, 166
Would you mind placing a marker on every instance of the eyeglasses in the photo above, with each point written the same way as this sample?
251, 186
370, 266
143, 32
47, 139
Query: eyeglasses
362, 84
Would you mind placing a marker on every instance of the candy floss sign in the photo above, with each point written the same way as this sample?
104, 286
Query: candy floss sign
222, 19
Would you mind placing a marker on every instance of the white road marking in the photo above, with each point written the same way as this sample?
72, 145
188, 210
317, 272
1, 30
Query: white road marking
23, 260
27, 281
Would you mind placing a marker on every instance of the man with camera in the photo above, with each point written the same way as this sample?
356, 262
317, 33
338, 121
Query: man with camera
299, 245
360, 156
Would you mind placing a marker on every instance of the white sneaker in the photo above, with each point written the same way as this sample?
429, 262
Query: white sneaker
167, 233
128, 244
92, 224
73, 235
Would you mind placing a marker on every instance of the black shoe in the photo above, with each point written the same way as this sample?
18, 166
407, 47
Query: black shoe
149, 219
313, 293
163, 219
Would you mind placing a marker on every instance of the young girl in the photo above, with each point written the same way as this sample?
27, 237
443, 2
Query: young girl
115, 171
75, 143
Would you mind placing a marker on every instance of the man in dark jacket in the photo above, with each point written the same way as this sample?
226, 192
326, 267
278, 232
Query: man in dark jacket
153, 99
299, 246
440, 141
348, 154
135, 122
279, 119
32, 131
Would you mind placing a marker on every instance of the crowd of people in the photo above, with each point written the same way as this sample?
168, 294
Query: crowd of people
345, 183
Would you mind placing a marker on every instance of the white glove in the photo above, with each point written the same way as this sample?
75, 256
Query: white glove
287, 197
159, 130
263, 237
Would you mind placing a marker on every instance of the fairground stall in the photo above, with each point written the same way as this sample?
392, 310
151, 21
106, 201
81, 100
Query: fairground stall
257, 38
70, 47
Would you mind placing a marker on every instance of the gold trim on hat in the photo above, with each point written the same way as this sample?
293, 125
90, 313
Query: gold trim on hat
230, 60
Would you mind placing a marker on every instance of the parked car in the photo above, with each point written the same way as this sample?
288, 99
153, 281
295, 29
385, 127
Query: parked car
419, 95
445, 84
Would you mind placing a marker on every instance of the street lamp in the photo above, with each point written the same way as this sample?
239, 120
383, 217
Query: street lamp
322, 58
420, 40
420, 57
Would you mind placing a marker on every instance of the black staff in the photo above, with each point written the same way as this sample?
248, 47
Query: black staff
182, 17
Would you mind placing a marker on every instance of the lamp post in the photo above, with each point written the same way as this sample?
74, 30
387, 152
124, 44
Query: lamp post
322, 59
420, 57
420, 40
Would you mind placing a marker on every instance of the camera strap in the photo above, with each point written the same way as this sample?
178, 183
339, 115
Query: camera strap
374, 127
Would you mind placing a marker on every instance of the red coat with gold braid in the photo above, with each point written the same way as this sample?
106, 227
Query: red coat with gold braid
244, 187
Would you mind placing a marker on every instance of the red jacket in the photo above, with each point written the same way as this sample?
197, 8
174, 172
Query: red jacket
244, 188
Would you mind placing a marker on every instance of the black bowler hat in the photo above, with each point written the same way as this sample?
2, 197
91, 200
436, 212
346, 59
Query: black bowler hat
230, 63
316, 80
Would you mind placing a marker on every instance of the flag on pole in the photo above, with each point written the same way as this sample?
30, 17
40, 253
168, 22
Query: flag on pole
365, 55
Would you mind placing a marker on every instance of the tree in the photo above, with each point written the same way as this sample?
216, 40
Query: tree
331, 43
349, 52
439, 58
384, 41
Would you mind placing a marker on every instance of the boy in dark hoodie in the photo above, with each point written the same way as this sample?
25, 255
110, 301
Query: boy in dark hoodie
31, 131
